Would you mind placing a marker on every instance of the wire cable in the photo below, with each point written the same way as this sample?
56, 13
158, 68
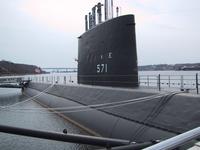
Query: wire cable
153, 114
74, 109
29, 99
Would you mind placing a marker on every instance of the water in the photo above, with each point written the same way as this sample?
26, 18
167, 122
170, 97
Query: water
40, 121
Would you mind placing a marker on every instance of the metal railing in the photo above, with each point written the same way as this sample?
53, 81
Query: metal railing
51, 78
183, 82
160, 82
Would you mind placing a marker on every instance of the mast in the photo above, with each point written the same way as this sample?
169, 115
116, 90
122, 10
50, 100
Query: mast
86, 23
99, 13
94, 16
108, 9
90, 19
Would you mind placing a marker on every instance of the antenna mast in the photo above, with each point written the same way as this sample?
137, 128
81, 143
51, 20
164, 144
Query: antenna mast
108, 9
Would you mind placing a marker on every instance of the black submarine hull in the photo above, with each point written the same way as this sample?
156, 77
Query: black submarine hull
107, 54
156, 119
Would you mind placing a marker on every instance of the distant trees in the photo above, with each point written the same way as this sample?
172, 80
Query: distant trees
192, 66
9, 68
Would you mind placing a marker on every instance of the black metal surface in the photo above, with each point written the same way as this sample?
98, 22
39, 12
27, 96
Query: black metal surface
73, 138
160, 118
107, 54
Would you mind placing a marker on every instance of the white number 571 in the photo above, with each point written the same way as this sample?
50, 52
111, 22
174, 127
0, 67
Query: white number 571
102, 68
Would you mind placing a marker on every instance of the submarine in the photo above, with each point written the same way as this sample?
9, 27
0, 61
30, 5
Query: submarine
108, 98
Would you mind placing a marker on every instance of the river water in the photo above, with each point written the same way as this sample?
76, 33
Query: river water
44, 120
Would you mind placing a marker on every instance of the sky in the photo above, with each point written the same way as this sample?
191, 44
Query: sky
44, 32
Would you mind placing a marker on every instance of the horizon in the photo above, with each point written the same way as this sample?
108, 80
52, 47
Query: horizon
76, 67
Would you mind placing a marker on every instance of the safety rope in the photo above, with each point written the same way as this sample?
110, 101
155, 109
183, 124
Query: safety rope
29, 99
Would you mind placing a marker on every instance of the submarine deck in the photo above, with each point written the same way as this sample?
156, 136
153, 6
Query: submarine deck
173, 112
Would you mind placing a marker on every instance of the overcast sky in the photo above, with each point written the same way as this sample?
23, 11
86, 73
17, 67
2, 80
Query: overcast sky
44, 32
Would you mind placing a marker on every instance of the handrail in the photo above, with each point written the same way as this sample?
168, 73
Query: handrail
176, 141
160, 82
108, 143
65, 137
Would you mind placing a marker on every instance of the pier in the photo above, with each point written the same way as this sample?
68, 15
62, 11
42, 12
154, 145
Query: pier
60, 69
13, 82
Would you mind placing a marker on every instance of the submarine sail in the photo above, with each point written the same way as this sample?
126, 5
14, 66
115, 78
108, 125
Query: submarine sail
107, 53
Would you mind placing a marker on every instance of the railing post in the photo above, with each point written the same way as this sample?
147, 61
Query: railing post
70, 79
159, 87
64, 79
148, 81
169, 81
139, 80
197, 83
182, 84
58, 79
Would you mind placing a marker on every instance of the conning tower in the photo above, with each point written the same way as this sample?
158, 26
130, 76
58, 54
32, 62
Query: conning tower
107, 50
